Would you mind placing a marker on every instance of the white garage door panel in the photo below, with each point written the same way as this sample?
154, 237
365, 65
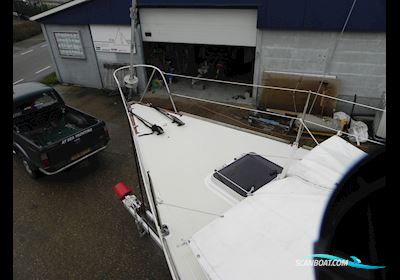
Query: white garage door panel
236, 27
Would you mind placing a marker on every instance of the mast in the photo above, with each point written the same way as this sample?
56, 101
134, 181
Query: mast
131, 80
133, 29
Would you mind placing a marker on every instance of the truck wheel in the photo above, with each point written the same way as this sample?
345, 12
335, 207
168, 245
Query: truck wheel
30, 168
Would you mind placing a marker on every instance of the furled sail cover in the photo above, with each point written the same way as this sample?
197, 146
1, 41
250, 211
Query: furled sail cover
265, 235
327, 163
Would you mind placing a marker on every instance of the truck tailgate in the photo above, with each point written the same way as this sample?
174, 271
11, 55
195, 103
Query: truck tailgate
77, 145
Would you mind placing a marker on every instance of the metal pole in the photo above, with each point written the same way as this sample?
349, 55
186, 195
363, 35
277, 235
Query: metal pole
352, 109
300, 131
147, 86
296, 142
156, 215
133, 46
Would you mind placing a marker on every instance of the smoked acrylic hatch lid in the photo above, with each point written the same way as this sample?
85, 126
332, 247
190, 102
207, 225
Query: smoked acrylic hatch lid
248, 173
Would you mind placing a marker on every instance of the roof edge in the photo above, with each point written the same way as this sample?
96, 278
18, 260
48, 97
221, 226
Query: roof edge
57, 9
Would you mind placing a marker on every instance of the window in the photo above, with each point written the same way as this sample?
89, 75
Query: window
35, 103
45, 99
69, 44
248, 173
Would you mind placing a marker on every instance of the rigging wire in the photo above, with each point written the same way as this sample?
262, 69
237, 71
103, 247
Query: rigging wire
328, 62
276, 88
233, 106
271, 113
294, 94
189, 209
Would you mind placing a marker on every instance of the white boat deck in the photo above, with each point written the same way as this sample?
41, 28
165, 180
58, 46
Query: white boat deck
180, 163
265, 235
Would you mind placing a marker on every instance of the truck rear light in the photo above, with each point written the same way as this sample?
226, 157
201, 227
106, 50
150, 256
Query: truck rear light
106, 131
121, 190
44, 160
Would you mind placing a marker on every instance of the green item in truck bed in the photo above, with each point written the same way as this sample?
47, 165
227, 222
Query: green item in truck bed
54, 135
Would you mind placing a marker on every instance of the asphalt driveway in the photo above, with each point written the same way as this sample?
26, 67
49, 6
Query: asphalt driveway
31, 60
71, 225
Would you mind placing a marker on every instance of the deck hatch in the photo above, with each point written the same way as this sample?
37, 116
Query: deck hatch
250, 172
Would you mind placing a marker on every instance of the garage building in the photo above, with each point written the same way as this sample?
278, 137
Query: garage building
245, 41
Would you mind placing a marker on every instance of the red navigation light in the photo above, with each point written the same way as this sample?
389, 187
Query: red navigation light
121, 190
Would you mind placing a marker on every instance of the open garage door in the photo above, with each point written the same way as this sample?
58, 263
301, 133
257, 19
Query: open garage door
230, 27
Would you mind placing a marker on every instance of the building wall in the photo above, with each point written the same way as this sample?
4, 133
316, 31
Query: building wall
109, 59
359, 61
84, 72
109, 62
367, 15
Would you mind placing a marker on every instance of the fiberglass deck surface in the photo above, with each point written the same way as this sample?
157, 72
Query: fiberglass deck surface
179, 162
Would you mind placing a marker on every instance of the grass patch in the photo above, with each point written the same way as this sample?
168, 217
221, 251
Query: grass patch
50, 79
23, 29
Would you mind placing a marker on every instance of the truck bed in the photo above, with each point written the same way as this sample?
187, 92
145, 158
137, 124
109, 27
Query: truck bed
52, 126
54, 135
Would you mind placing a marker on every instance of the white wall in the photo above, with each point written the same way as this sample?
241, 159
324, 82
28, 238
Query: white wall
111, 38
236, 27
84, 72
112, 46
359, 61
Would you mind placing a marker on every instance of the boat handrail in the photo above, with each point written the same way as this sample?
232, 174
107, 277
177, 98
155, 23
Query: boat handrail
301, 119
275, 88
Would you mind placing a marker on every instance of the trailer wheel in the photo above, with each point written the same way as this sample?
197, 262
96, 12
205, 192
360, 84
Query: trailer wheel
32, 170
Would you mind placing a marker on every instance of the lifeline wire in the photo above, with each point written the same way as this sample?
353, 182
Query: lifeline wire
277, 88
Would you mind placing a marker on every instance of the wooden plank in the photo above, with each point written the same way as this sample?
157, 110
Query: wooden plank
295, 102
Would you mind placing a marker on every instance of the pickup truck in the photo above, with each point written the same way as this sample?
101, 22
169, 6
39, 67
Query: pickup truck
50, 136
